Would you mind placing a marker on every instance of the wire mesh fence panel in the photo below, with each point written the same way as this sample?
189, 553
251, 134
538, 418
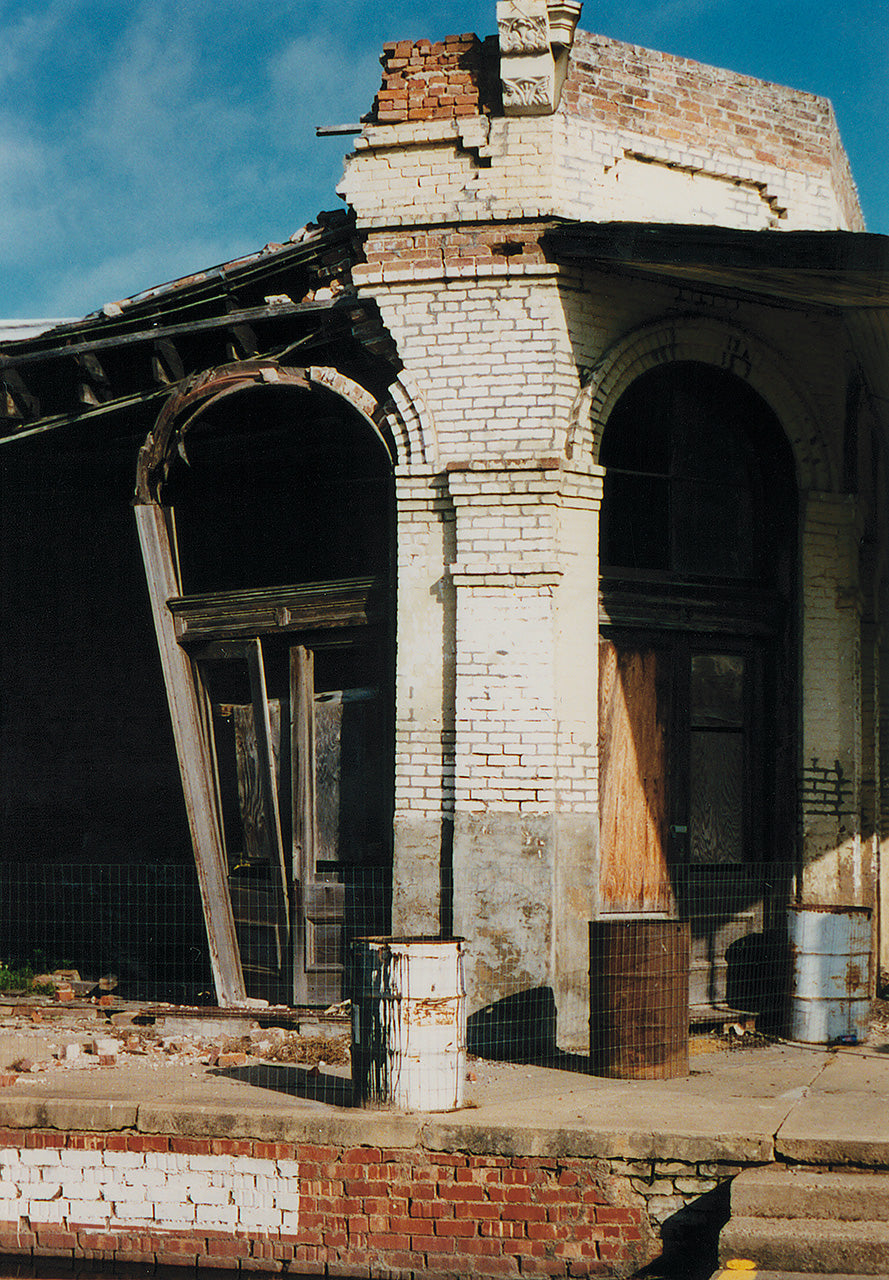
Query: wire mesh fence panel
737, 915
648, 988
143, 925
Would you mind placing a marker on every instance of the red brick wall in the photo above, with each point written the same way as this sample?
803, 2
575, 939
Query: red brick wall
462, 1215
454, 249
645, 91
426, 81
363, 1212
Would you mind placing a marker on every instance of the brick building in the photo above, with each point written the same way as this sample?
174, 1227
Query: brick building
517, 538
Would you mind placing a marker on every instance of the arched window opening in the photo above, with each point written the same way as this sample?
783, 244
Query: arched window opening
696, 677
277, 487
271, 564
697, 477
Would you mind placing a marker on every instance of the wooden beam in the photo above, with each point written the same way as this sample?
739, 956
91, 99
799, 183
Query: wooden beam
166, 363
16, 402
304, 826
347, 304
195, 760
242, 342
268, 780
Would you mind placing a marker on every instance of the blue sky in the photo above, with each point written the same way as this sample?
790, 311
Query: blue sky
144, 139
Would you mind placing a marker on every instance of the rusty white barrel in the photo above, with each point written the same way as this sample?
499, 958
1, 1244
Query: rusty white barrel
408, 1022
830, 987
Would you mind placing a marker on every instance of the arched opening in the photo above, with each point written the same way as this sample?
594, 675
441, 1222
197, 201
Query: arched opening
278, 535
697, 710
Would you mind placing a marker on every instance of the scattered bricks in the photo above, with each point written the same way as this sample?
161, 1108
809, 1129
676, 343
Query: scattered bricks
230, 1060
104, 1047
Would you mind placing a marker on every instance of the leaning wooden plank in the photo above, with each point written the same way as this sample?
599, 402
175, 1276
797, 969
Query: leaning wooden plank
267, 774
195, 762
304, 837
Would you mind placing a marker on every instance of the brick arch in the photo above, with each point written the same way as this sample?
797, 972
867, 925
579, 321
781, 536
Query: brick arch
710, 342
403, 414
410, 423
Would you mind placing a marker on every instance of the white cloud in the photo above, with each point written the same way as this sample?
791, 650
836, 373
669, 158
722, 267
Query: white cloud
26, 32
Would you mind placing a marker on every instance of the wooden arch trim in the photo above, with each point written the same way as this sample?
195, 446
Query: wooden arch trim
185, 694
189, 400
196, 394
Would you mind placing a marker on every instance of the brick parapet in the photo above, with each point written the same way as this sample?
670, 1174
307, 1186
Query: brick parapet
639, 135
434, 80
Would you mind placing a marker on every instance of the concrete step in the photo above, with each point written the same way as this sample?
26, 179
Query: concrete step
807, 1245
731, 1274
775, 1192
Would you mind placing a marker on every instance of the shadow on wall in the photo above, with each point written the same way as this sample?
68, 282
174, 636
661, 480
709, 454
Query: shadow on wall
518, 1028
758, 977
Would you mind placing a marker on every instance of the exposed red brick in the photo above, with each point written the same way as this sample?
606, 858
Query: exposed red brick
147, 1142
190, 1146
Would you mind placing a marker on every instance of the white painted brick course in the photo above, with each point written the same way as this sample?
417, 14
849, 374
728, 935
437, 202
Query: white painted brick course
210, 1192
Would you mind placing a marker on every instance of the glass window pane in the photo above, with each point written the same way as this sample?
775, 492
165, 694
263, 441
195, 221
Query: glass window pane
716, 809
712, 530
717, 690
635, 521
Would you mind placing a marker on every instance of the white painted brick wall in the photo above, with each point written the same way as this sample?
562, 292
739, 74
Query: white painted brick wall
113, 1190
482, 169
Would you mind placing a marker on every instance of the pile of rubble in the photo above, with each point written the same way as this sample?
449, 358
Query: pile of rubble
57, 1025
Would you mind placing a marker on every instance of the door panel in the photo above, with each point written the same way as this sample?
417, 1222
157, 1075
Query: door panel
346, 727
633, 777
260, 838
716, 797
299, 769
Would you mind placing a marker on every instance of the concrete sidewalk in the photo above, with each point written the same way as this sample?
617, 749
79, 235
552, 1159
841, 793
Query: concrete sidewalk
746, 1106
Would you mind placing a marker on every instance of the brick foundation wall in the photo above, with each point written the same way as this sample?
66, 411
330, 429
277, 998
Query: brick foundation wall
312, 1209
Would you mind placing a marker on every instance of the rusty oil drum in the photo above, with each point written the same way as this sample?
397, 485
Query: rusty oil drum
639, 998
830, 993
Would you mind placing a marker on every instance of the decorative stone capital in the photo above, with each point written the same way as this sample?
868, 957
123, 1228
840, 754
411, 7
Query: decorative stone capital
534, 37
527, 65
564, 16
523, 26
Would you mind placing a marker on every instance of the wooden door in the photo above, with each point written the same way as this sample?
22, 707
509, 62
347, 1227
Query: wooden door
250, 754
340, 827
683, 756
302, 785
